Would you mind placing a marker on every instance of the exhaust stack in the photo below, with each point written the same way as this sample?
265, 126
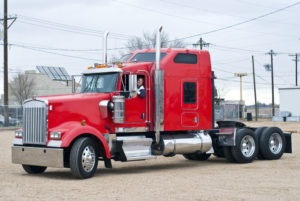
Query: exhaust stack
105, 47
159, 90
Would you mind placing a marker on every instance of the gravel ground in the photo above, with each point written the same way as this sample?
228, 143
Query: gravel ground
163, 178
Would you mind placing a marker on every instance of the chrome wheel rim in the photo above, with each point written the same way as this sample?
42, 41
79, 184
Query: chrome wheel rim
88, 158
275, 143
247, 146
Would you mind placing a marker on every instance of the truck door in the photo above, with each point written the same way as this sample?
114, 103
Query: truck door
189, 103
135, 106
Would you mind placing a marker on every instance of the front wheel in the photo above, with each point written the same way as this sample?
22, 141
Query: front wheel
32, 169
84, 158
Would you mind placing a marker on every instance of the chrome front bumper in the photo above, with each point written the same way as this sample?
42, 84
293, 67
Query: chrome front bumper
49, 157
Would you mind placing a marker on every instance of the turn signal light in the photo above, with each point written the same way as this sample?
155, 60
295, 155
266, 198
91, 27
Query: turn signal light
101, 66
19, 133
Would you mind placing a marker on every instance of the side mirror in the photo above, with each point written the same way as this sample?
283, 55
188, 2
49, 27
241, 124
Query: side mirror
133, 85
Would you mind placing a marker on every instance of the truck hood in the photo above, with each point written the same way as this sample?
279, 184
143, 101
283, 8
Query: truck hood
77, 108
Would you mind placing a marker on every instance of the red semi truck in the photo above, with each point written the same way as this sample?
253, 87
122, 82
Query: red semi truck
108, 120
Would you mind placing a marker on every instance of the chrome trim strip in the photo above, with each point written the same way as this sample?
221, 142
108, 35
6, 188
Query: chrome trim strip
54, 143
109, 139
158, 86
105, 47
131, 129
17, 141
148, 90
48, 157
103, 108
162, 102
35, 121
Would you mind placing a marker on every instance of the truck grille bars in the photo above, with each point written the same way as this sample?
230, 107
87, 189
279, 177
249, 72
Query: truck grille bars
35, 125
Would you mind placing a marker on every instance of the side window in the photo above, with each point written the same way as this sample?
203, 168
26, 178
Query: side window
184, 58
189, 92
125, 86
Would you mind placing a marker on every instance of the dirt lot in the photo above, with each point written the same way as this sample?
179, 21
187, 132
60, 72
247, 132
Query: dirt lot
162, 179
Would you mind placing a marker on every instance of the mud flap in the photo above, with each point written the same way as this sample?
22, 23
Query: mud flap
288, 141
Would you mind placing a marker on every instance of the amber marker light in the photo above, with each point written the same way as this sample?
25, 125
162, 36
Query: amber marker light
83, 122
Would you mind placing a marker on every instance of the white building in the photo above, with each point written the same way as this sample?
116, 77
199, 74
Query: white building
43, 86
290, 100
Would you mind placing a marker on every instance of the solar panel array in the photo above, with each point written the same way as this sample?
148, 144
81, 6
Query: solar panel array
55, 73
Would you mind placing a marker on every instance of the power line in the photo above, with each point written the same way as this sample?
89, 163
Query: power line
240, 23
219, 13
45, 51
163, 13
68, 28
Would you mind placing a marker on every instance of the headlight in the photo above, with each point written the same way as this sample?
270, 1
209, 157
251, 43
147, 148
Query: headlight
19, 133
55, 135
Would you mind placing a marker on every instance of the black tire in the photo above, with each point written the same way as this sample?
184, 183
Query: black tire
246, 146
31, 169
80, 166
218, 150
228, 154
188, 156
258, 133
197, 157
268, 151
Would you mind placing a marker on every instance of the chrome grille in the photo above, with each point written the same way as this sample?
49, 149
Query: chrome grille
35, 123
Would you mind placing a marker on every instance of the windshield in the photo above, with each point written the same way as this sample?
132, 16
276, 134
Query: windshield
99, 83
146, 57
124, 58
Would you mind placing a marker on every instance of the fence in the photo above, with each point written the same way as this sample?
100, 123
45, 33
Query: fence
15, 113
227, 112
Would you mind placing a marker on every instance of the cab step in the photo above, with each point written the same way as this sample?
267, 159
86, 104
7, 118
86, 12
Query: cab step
133, 148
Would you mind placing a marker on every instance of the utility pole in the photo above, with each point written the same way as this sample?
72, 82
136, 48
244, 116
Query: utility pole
254, 83
5, 58
5, 54
201, 43
241, 95
240, 75
271, 53
296, 66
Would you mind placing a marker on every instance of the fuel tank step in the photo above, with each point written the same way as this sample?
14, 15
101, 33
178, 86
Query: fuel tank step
132, 148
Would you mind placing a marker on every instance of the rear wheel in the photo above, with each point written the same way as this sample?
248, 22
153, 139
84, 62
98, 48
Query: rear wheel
246, 146
84, 158
258, 133
228, 154
272, 143
31, 169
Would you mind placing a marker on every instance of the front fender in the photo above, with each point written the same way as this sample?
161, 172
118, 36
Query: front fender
72, 130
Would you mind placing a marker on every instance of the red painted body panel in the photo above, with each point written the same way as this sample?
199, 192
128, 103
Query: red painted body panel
72, 130
69, 110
